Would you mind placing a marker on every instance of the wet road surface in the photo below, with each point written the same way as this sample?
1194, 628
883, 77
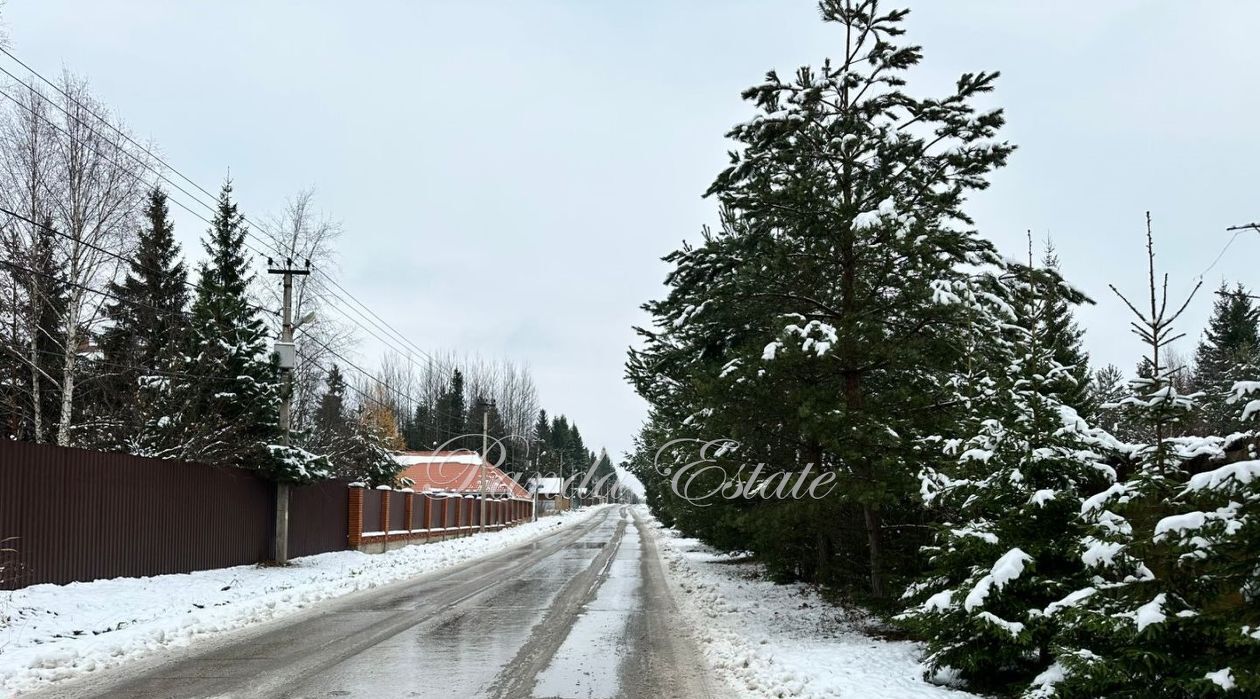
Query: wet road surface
583, 613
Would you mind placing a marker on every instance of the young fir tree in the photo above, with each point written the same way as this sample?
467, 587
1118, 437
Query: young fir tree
1214, 538
1107, 388
1010, 503
330, 413
147, 318
1066, 338
1229, 352
1138, 627
817, 327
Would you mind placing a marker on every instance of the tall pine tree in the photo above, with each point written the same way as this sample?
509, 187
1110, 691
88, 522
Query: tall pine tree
818, 327
451, 413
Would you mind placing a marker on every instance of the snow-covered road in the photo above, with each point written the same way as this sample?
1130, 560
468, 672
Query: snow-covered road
581, 611
597, 604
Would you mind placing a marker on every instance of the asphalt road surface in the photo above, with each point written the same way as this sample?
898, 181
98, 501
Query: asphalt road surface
583, 613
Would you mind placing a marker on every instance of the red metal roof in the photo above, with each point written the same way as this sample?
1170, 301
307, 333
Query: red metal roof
457, 471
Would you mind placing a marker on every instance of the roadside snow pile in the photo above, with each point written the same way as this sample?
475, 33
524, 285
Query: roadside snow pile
769, 640
50, 633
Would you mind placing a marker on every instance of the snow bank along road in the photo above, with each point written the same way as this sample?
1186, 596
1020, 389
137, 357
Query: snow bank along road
584, 611
767, 640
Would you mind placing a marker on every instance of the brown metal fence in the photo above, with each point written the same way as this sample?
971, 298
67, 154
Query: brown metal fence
397, 511
317, 518
73, 514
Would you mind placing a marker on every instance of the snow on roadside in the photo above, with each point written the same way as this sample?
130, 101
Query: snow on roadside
50, 633
768, 640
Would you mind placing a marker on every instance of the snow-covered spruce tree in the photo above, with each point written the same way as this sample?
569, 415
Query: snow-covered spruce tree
808, 329
1066, 338
147, 320
1107, 388
219, 402
350, 442
1010, 502
1215, 536
1138, 627
1229, 352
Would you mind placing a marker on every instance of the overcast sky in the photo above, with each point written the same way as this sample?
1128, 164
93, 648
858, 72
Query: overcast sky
508, 174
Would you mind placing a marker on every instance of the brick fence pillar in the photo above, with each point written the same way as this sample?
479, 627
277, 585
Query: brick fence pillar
355, 525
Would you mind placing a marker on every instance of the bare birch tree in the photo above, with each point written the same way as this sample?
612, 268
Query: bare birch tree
300, 233
26, 173
96, 192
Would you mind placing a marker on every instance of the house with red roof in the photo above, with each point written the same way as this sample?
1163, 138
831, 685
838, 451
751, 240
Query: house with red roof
457, 471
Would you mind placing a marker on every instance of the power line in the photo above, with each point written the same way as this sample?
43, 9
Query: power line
135, 178
381, 382
83, 287
173, 199
111, 253
387, 328
270, 245
150, 153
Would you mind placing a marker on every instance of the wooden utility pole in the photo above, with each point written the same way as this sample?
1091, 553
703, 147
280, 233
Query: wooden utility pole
485, 427
287, 353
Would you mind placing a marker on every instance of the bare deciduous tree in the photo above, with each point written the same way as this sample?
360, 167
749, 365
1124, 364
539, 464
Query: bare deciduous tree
96, 192
301, 232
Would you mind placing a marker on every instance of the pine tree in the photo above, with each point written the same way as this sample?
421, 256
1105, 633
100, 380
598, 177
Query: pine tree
1229, 352
147, 318
542, 428
818, 326
422, 429
496, 432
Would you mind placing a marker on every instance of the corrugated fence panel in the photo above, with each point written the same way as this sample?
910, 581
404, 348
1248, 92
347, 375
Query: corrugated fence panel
397, 511
317, 518
372, 510
74, 514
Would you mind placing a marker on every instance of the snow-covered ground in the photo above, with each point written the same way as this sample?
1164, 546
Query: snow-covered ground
768, 640
50, 633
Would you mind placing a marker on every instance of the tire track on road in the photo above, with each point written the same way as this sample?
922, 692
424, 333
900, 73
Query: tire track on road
517, 679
